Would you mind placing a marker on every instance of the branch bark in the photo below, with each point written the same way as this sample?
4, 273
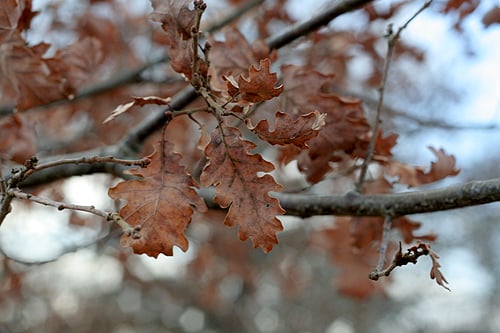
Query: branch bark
398, 204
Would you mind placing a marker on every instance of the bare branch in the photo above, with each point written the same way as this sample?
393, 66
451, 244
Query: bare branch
353, 204
109, 216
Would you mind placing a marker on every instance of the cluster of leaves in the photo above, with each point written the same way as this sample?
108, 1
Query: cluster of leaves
312, 125
252, 99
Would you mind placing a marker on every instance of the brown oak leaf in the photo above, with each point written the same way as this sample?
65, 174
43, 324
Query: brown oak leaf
15, 16
346, 127
234, 56
177, 20
17, 139
76, 62
288, 131
435, 271
234, 173
260, 84
491, 17
415, 175
355, 262
28, 76
160, 205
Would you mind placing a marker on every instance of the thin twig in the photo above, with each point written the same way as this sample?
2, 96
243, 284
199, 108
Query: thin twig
109, 216
392, 39
384, 243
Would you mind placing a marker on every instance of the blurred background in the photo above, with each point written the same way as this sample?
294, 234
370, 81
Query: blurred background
442, 91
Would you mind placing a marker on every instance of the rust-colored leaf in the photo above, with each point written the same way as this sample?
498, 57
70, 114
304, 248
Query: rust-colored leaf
175, 17
260, 84
414, 176
436, 272
407, 229
346, 127
491, 17
355, 262
234, 56
234, 173
15, 16
160, 205
177, 20
77, 62
288, 131
138, 101
17, 139
23, 70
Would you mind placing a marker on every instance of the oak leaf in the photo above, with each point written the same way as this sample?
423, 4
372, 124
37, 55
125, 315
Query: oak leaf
78, 61
234, 56
346, 127
355, 262
234, 173
160, 205
260, 84
288, 131
23, 70
15, 16
415, 176
17, 139
177, 20
435, 271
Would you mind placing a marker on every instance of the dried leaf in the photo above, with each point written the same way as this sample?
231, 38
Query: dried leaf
415, 176
77, 62
17, 139
15, 16
177, 20
160, 205
23, 69
355, 262
407, 228
260, 84
288, 131
491, 17
139, 101
346, 127
234, 173
435, 271
233, 57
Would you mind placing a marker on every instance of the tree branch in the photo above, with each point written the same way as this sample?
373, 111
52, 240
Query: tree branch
353, 204
316, 22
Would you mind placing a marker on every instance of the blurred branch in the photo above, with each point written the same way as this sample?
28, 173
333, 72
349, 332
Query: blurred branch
302, 29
